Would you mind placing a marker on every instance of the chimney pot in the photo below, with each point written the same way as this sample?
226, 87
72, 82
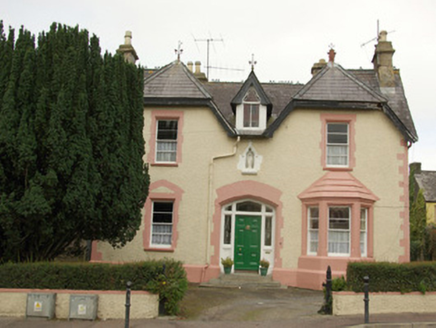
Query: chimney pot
190, 66
197, 67
382, 36
332, 55
128, 38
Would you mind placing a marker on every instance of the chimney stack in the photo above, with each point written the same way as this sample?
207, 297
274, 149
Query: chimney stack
198, 74
382, 61
127, 49
415, 167
317, 67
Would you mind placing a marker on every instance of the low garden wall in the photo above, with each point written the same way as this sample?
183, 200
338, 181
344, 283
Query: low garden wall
111, 304
349, 303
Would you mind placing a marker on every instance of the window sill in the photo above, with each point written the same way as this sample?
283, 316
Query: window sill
165, 164
154, 249
344, 169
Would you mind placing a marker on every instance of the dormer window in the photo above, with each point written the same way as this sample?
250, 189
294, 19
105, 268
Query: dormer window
251, 109
251, 114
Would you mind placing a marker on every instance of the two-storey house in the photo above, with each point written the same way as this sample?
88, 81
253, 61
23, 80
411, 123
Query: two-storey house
304, 176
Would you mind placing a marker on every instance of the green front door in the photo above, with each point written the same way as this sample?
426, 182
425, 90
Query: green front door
247, 242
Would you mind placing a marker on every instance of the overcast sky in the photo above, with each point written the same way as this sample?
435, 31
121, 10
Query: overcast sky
286, 38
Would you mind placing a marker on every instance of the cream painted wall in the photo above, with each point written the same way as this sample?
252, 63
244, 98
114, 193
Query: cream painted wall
291, 163
377, 167
111, 304
203, 137
349, 303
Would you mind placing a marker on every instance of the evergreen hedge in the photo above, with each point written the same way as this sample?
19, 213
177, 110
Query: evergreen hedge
165, 277
392, 277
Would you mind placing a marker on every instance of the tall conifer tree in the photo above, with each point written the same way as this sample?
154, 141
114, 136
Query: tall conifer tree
71, 144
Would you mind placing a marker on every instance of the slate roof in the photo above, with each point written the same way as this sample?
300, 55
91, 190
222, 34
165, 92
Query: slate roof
174, 81
333, 83
333, 86
427, 181
279, 94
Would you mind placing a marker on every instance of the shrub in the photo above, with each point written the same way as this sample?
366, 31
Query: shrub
339, 284
392, 277
264, 263
166, 277
227, 262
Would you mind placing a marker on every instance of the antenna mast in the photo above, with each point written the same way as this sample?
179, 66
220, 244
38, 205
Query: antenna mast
208, 42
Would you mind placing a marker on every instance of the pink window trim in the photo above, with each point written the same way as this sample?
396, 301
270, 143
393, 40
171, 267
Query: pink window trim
174, 195
338, 118
165, 115
324, 204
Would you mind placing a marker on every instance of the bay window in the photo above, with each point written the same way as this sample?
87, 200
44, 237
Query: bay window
339, 230
363, 231
313, 229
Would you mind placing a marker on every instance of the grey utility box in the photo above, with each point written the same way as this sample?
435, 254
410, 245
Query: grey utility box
83, 307
41, 305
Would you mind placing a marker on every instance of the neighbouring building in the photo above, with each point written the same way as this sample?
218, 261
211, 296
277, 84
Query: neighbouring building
426, 180
302, 175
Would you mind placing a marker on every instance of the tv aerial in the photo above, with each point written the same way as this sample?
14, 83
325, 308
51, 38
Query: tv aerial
209, 41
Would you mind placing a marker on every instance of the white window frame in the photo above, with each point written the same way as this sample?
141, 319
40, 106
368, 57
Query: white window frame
250, 119
332, 145
172, 151
343, 231
152, 226
311, 232
363, 232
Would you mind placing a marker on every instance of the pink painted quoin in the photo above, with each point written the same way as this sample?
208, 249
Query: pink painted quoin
403, 184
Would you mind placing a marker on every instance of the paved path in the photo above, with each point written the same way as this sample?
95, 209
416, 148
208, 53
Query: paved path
228, 308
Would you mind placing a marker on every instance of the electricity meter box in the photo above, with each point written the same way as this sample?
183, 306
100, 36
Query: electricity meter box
83, 307
41, 305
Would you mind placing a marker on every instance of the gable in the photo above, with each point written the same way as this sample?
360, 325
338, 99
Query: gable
249, 87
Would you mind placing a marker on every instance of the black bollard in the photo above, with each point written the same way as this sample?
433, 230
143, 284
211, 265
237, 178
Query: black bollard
366, 297
127, 321
327, 307
328, 291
